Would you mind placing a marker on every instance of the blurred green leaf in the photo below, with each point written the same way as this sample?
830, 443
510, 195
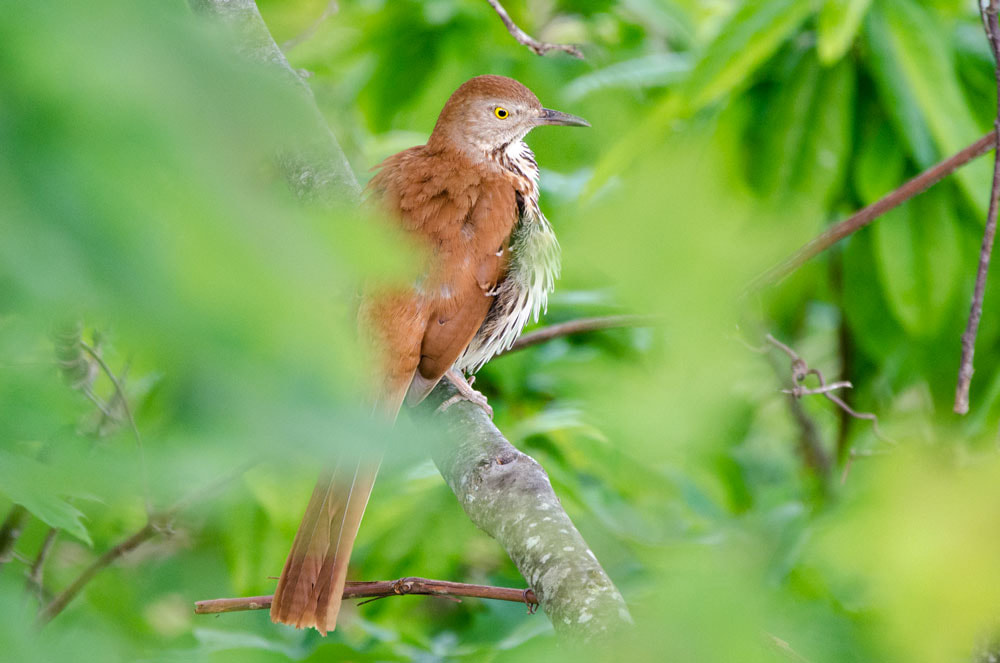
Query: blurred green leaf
647, 71
748, 37
807, 139
880, 163
751, 35
41, 490
919, 260
916, 76
837, 26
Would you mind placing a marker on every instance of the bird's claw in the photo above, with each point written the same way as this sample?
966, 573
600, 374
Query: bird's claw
465, 393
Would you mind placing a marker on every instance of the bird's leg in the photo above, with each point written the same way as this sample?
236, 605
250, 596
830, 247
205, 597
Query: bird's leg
465, 393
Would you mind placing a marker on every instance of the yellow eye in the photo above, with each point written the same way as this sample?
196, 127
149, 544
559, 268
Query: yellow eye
501, 112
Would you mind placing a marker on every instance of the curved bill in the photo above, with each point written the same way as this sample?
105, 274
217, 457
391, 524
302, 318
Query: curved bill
549, 116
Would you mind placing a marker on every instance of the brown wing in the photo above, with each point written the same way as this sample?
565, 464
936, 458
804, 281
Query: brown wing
463, 215
468, 271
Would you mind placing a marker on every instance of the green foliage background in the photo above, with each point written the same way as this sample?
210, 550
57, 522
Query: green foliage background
138, 194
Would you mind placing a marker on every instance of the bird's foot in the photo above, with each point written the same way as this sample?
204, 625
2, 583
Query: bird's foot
465, 393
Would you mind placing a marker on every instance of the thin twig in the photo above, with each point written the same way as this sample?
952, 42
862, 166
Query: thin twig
120, 395
800, 370
863, 217
811, 448
799, 391
157, 523
34, 581
786, 649
101, 406
382, 589
523, 38
989, 234
578, 326
57, 604
331, 8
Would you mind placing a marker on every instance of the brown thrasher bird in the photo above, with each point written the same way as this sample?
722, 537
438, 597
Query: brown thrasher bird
469, 197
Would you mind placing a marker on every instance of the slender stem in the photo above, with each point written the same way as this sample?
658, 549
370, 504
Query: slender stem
383, 588
966, 368
801, 370
120, 395
110, 556
863, 217
523, 38
35, 581
578, 326
332, 7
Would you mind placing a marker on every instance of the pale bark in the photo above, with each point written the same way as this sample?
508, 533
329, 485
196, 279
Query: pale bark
508, 495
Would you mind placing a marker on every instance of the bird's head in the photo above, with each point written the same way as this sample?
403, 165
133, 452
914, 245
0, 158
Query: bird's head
488, 113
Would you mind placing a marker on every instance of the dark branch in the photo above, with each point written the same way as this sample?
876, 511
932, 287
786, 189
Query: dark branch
383, 588
863, 217
966, 368
60, 602
10, 531
523, 38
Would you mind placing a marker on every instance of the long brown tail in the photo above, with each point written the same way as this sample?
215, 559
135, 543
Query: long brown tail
312, 583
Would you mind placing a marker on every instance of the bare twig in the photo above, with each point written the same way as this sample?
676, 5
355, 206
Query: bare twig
799, 391
578, 326
814, 454
332, 7
801, 370
786, 649
101, 406
989, 234
863, 217
123, 401
381, 589
57, 604
523, 38
34, 581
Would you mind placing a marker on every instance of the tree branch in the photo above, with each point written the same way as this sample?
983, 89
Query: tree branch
523, 38
966, 369
578, 326
59, 603
318, 172
508, 495
382, 589
34, 580
863, 217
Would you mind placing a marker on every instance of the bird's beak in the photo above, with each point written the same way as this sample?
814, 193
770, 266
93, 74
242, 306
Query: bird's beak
549, 116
